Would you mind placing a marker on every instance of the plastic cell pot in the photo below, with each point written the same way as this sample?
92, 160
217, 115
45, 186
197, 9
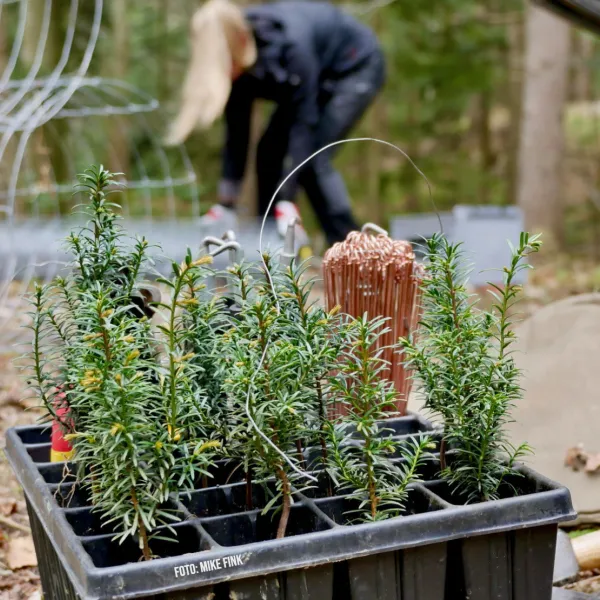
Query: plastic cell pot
440, 549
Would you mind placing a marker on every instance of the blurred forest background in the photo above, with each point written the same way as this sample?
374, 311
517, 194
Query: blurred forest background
497, 101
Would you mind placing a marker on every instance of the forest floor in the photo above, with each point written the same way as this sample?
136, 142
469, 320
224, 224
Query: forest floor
588, 582
19, 578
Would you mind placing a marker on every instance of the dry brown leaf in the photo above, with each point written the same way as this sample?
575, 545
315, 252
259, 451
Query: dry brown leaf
589, 585
11, 396
19, 584
7, 506
593, 463
21, 553
576, 458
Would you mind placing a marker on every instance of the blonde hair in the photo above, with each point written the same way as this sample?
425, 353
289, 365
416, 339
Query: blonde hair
217, 31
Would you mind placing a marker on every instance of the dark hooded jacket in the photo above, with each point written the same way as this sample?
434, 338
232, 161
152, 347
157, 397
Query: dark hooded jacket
303, 47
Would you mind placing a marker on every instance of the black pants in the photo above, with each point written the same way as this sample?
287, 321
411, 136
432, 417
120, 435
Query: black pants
342, 104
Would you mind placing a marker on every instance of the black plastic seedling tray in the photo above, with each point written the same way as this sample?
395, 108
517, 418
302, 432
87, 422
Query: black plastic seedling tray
439, 550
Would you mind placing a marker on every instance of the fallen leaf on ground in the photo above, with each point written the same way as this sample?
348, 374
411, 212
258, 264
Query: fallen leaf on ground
593, 463
588, 585
7, 506
21, 553
19, 585
576, 458
11, 396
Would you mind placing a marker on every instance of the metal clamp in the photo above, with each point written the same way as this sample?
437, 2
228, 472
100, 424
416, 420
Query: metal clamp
227, 242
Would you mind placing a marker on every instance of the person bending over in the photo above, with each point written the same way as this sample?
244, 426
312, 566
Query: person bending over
319, 66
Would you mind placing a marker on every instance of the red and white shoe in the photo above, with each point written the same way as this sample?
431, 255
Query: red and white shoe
284, 212
219, 217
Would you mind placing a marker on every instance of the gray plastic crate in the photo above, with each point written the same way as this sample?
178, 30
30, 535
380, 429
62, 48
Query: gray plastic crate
37, 246
483, 231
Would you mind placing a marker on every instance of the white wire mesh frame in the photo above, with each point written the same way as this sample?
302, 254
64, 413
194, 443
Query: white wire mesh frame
136, 119
36, 100
120, 98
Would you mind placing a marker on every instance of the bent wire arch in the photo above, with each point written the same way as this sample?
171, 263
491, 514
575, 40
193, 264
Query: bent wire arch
63, 99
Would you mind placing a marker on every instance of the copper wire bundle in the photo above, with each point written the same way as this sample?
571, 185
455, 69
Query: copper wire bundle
376, 275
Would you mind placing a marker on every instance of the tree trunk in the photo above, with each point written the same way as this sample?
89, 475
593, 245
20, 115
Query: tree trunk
46, 146
165, 11
408, 175
33, 32
56, 134
373, 166
582, 82
374, 152
515, 68
247, 202
119, 64
486, 155
541, 148
6, 160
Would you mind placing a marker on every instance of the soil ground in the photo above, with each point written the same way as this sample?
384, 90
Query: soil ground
21, 582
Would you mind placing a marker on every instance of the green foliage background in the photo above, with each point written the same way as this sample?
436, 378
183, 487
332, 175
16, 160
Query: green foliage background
452, 101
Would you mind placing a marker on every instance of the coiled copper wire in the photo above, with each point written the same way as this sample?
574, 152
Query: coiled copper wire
376, 275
